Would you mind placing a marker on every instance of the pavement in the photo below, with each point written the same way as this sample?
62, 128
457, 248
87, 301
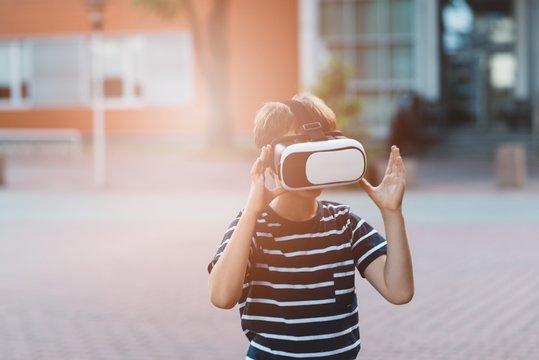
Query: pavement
120, 272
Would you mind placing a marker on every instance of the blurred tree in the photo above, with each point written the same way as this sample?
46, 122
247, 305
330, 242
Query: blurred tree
208, 23
331, 87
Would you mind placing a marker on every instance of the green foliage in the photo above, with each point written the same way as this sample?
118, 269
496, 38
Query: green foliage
331, 88
167, 9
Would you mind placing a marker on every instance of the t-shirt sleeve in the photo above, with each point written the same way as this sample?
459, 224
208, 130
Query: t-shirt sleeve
367, 243
224, 243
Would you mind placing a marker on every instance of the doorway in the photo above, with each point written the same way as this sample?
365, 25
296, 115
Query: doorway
479, 64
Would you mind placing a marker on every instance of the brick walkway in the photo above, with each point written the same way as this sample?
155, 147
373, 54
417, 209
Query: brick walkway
120, 274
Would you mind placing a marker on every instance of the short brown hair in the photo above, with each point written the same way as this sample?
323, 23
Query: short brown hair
274, 119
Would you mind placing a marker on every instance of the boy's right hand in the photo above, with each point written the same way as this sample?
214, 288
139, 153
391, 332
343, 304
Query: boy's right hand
259, 195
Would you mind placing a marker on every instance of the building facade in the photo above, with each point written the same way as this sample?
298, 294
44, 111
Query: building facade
150, 77
471, 61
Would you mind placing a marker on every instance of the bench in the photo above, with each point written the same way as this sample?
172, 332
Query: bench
33, 141
41, 135
28, 140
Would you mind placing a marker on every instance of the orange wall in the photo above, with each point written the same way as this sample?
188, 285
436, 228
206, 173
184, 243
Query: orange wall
264, 56
151, 120
263, 61
25, 17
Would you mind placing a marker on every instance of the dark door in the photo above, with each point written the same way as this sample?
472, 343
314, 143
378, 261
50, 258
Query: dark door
478, 63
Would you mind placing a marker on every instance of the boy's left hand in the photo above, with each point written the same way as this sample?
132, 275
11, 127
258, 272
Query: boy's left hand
388, 195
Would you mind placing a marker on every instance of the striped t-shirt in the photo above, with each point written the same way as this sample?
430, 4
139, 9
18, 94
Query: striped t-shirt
298, 299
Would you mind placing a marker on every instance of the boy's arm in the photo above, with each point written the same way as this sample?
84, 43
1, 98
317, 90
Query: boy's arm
392, 275
226, 277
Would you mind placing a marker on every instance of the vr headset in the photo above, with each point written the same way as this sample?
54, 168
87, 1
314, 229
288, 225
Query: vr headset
316, 159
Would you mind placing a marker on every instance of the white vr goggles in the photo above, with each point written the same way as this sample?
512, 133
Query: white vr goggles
317, 159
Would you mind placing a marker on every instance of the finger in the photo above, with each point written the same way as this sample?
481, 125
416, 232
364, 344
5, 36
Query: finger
391, 160
366, 186
276, 177
264, 154
258, 166
277, 191
399, 163
277, 182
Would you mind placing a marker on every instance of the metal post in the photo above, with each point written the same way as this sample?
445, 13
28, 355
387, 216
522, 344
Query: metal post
98, 111
98, 114
2, 171
534, 75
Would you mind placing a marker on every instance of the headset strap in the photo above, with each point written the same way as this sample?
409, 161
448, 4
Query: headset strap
308, 121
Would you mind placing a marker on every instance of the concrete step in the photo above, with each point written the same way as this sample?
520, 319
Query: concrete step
473, 145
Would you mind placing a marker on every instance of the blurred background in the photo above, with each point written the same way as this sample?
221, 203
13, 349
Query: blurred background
126, 143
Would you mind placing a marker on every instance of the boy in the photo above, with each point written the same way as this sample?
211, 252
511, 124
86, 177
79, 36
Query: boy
288, 259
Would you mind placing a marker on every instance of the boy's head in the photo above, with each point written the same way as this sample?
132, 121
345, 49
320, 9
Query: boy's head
275, 119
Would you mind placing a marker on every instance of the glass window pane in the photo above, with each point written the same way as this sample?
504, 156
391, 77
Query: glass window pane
344, 55
59, 69
502, 70
331, 18
337, 52
349, 18
369, 108
401, 16
367, 63
367, 21
136, 51
5, 70
402, 62
112, 67
26, 68
169, 69
388, 107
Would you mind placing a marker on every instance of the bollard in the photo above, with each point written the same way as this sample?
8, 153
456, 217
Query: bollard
410, 166
510, 165
2, 172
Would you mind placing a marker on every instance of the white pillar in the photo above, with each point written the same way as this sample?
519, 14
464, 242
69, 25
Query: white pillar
534, 72
98, 112
427, 64
309, 54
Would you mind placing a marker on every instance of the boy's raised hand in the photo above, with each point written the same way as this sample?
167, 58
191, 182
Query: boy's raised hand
259, 195
388, 195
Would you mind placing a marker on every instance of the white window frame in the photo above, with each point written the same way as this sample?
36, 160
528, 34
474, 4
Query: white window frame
314, 54
127, 101
15, 82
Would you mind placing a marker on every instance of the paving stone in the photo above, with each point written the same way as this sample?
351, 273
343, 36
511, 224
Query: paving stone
121, 274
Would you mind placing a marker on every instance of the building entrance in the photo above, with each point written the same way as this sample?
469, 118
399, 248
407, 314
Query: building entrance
479, 65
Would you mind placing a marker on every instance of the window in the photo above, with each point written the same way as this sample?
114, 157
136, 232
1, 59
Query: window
59, 70
5, 72
168, 70
14, 73
121, 61
375, 39
135, 70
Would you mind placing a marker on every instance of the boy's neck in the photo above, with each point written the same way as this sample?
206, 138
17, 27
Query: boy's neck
295, 207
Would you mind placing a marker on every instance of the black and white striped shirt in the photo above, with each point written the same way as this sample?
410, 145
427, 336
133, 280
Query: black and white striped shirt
298, 299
